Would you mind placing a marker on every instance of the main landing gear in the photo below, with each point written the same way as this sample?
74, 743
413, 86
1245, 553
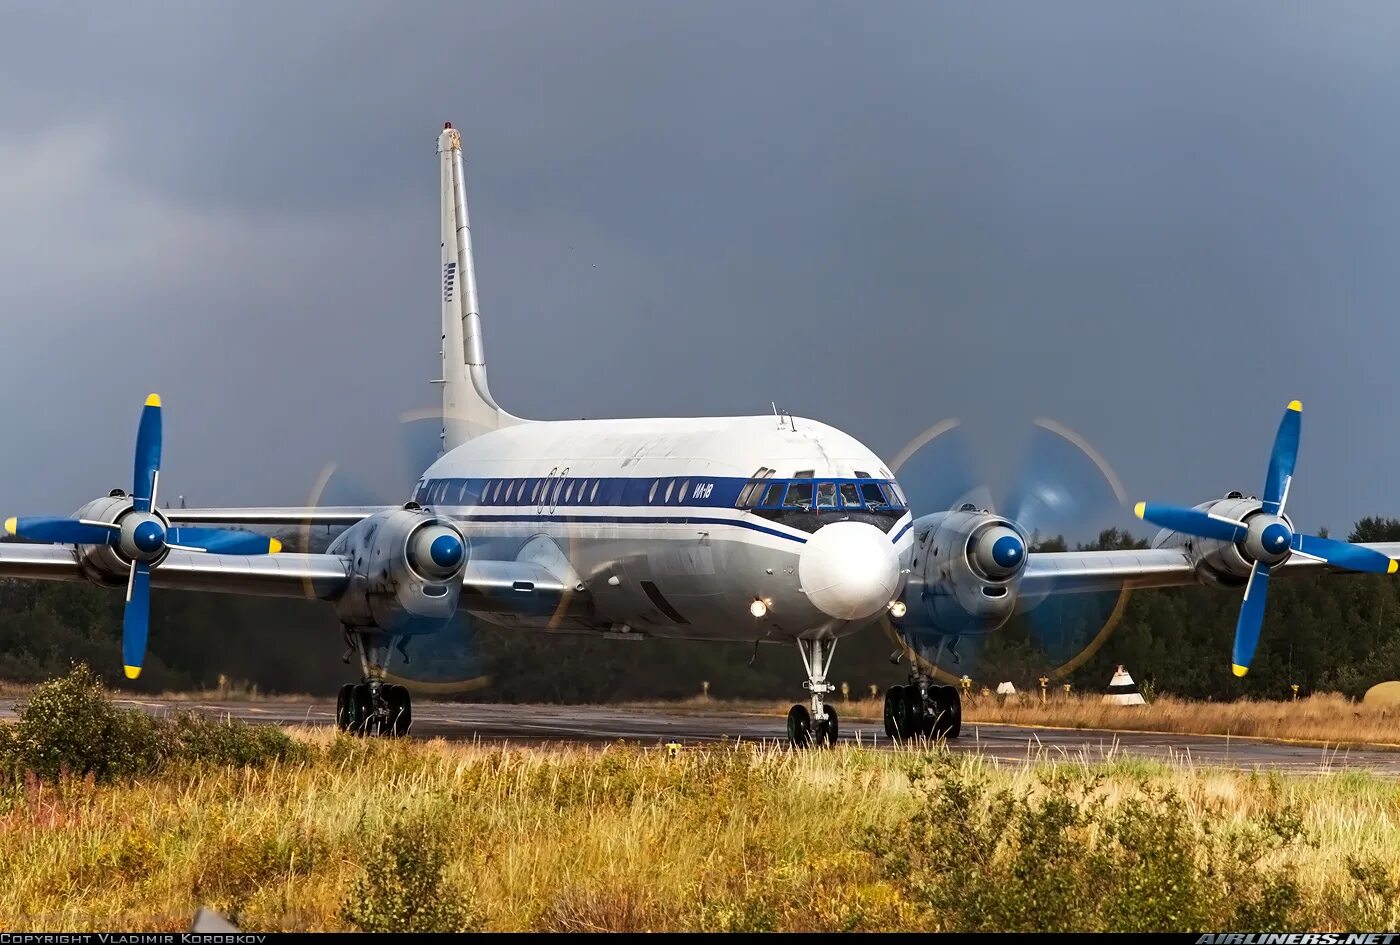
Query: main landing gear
373, 706
923, 710
819, 725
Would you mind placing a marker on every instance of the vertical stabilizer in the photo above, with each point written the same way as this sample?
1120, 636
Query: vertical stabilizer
468, 410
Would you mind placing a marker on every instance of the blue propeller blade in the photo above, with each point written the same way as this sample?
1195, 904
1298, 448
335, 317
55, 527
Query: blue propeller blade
136, 619
1283, 459
59, 531
1256, 593
223, 541
1345, 555
1189, 521
147, 464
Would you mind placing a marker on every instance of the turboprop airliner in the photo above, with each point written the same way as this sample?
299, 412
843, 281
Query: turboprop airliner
762, 528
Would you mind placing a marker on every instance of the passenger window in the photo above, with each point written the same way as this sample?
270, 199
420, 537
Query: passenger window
510, 491
670, 484
535, 492
850, 498
773, 498
874, 498
826, 495
651, 495
462, 493
685, 490
799, 496
569, 494
593, 494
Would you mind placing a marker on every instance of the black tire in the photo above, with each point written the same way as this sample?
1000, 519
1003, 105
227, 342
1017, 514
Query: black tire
828, 729
361, 709
400, 709
342, 707
916, 716
799, 727
953, 701
947, 704
894, 712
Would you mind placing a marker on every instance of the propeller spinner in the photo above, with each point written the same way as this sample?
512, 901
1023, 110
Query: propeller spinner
1266, 538
142, 536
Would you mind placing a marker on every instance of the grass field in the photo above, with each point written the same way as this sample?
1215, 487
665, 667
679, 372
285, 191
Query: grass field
730, 838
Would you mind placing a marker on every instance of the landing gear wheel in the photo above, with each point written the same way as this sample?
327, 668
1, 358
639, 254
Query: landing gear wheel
894, 712
916, 721
400, 709
949, 707
828, 729
361, 710
799, 727
343, 707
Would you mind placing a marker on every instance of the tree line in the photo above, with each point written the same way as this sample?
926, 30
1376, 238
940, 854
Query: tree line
1324, 633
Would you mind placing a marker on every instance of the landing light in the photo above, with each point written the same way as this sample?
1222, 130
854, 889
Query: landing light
758, 608
898, 609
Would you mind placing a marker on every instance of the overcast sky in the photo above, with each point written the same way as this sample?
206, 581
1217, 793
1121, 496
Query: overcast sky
1154, 223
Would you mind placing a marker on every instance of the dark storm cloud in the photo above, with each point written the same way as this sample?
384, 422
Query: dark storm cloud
1154, 223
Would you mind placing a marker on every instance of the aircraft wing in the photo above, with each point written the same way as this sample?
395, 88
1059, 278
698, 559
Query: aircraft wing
280, 575
488, 587
1069, 572
275, 515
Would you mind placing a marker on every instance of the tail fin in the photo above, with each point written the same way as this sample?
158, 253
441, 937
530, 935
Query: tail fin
468, 410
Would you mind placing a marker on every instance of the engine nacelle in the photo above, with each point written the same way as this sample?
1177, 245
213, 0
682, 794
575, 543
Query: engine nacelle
105, 564
963, 572
405, 571
1221, 563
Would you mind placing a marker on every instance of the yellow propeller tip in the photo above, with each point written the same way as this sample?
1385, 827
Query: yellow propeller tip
1140, 510
133, 671
1394, 566
12, 526
153, 400
274, 546
1239, 670
1295, 405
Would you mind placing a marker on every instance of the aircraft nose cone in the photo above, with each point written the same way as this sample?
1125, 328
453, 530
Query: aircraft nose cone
849, 570
446, 551
148, 536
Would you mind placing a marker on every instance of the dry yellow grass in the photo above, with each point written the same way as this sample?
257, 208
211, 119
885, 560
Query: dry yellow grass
1327, 718
571, 838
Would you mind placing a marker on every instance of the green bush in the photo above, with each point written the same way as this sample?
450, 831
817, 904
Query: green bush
224, 742
69, 726
1059, 857
404, 887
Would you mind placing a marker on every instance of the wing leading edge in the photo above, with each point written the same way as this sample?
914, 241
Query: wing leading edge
1073, 572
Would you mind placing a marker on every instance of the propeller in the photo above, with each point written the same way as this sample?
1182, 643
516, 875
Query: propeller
142, 536
1266, 537
1061, 485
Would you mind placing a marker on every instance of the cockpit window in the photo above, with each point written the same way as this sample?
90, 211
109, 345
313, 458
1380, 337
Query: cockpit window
874, 498
826, 495
799, 495
773, 496
850, 496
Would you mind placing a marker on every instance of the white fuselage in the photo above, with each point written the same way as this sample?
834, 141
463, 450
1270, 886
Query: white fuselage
660, 526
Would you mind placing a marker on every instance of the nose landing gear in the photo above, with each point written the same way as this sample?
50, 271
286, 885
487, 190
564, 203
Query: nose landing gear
820, 725
373, 707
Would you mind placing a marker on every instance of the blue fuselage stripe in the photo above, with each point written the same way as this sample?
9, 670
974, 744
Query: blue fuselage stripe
632, 520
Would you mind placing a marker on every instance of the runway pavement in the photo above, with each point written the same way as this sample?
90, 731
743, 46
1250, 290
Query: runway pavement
539, 724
